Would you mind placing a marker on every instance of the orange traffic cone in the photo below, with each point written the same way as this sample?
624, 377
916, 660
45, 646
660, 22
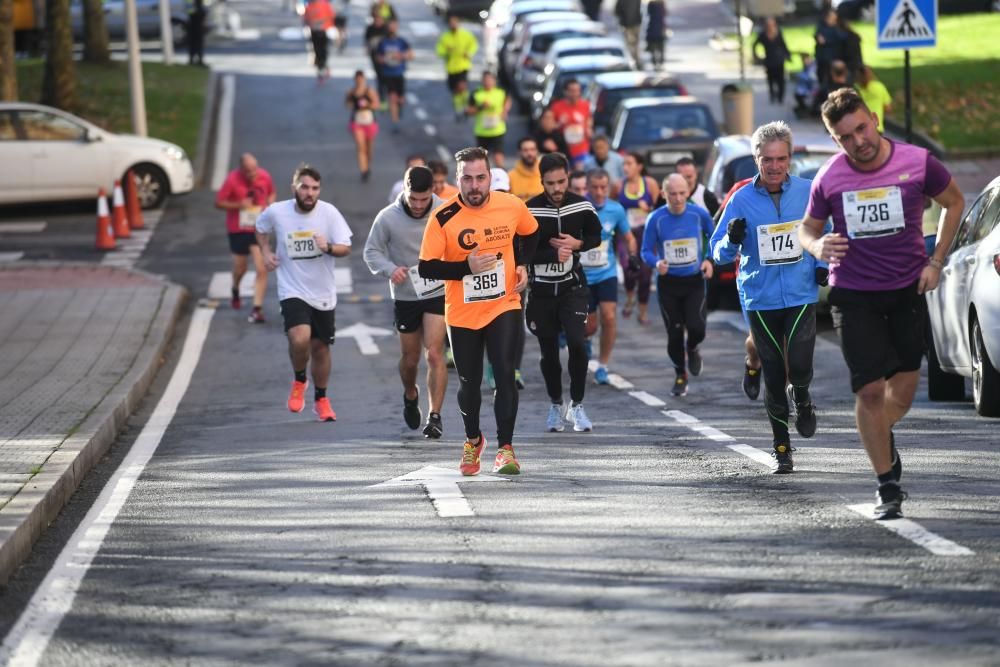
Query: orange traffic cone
118, 220
105, 235
132, 203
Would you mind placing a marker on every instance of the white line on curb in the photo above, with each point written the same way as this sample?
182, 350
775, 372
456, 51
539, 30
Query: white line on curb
224, 132
916, 533
27, 640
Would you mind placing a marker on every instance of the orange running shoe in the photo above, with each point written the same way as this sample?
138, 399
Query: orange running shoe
324, 411
470, 456
297, 397
506, 463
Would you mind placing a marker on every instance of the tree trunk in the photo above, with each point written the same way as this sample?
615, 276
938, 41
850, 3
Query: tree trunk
8, 71
59, 84
95, 33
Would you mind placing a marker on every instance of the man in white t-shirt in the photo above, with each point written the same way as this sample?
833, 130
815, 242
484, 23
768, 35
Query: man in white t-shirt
308, 234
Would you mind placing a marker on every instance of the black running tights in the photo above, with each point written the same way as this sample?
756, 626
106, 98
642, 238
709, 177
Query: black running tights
499, 339
785, 340
552, 368
682, 305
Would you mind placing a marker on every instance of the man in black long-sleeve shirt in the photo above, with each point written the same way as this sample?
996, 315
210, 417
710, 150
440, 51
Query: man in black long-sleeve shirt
558, 297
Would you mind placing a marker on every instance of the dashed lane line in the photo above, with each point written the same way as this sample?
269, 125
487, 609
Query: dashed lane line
443, 153
430, 130
23, 227
647, 398
420, 114
916, 533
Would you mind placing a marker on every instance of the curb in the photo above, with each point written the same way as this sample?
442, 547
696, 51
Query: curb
41, 500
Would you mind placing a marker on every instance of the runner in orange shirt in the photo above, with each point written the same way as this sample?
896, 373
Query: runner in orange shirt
318, 17
469, 243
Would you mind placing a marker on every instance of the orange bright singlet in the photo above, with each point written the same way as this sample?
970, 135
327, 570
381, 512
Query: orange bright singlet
319, 15
454, 230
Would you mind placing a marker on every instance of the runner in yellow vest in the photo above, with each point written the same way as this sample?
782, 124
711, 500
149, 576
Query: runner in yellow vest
456, 47
490, 106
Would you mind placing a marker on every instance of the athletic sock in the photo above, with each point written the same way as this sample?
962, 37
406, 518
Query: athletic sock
300, 376
319, 392
886, 477
801, 394
235, 291
577, 403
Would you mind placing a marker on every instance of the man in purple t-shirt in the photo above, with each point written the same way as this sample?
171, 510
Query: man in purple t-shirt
879, 270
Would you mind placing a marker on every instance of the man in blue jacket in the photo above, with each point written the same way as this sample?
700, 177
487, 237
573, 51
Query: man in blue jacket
777, 282
674, 245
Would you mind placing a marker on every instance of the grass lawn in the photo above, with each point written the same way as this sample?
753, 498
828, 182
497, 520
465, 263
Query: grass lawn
956, 85
175, 96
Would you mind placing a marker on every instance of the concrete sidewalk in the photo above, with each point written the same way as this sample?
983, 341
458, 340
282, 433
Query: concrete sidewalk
79, 347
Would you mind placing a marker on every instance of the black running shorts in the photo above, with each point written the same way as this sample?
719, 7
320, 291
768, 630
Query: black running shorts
492, 145
548, 315
881, 332
457, 78
296, 312
409, 315
395, 84
240, 242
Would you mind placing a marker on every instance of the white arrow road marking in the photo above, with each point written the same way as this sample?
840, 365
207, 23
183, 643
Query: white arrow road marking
364, 335
916, 533
442, 488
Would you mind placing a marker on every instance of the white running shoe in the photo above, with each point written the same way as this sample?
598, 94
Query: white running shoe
554, 422
580, 420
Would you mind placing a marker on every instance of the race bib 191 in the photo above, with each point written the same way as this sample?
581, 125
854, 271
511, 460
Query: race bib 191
301, 245
553, 269
779, 243
485, 286
595, 258
248, 217
874, 212
681, 252
426, 288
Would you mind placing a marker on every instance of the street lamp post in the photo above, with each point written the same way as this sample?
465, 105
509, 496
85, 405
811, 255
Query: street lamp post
138, 93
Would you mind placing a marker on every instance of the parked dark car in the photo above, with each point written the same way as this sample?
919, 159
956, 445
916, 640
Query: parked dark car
663, 130
611, 88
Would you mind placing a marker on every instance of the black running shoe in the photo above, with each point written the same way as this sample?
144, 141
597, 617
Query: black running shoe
897, 463
783, 458
434, 428
889, 501
805, 419
694, 361
411, 411
680, 386
751, 382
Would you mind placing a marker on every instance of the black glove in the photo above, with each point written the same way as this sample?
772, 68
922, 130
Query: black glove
633, 263
737, 230
822, 276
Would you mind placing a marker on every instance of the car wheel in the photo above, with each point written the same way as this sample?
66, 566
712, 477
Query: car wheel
941, 386
151, 185
985, 376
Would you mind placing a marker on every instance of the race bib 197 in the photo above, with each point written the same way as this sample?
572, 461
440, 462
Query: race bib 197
779, 243
595, 258
681, 252
874, 212
485, 286
426, 288
301, 245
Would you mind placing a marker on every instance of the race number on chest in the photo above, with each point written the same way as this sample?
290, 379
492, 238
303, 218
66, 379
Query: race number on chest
779, 243
679, 252
485, 286
553, 269
426, 288
248, 217
595, 258
301, 245
874, 212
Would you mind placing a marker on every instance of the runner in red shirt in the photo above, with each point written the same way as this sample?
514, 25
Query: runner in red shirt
573, 117
244, 194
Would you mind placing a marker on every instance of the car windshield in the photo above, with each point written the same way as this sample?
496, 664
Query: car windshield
593, 51
668, 124
610, 98
584, 77
541, 43
805, 165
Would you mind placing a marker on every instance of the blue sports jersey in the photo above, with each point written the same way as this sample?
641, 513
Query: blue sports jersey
599, 263
680, 239
392, 49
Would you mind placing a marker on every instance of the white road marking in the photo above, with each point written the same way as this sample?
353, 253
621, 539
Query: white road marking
442, 488
224, 132
412, 99
443, 153
423, 28
364, 335
430, 130
27, 640
221, 282
344, 281
754, 454
293, 34
22, 227
618, 382
10, 257
420, 114
681, 417
910, 530
647, 398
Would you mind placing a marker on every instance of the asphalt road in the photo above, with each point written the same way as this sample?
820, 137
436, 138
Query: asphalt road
255, 536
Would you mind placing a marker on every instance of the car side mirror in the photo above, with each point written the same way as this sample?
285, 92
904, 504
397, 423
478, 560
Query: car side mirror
90, 136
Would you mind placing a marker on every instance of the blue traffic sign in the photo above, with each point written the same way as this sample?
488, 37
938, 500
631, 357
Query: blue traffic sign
906, 24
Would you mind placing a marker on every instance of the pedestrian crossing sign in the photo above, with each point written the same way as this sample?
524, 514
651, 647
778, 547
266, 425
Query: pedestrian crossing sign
906, 24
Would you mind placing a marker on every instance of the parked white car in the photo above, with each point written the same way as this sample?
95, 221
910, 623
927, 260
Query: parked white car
965, 310
51, 155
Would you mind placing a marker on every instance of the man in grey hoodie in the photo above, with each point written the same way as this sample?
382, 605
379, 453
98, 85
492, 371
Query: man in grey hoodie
392, 251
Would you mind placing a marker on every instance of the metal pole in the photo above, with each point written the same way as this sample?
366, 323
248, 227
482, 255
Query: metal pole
138, 93
166, 33
906, 93
739, 39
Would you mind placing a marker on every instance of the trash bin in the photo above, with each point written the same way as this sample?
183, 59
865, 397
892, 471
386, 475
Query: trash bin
737, 108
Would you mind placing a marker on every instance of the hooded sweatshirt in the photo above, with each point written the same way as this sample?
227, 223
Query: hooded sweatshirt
525, 182
394, 240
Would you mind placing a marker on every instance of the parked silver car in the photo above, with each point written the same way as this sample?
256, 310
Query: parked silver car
147, 14
964, 310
